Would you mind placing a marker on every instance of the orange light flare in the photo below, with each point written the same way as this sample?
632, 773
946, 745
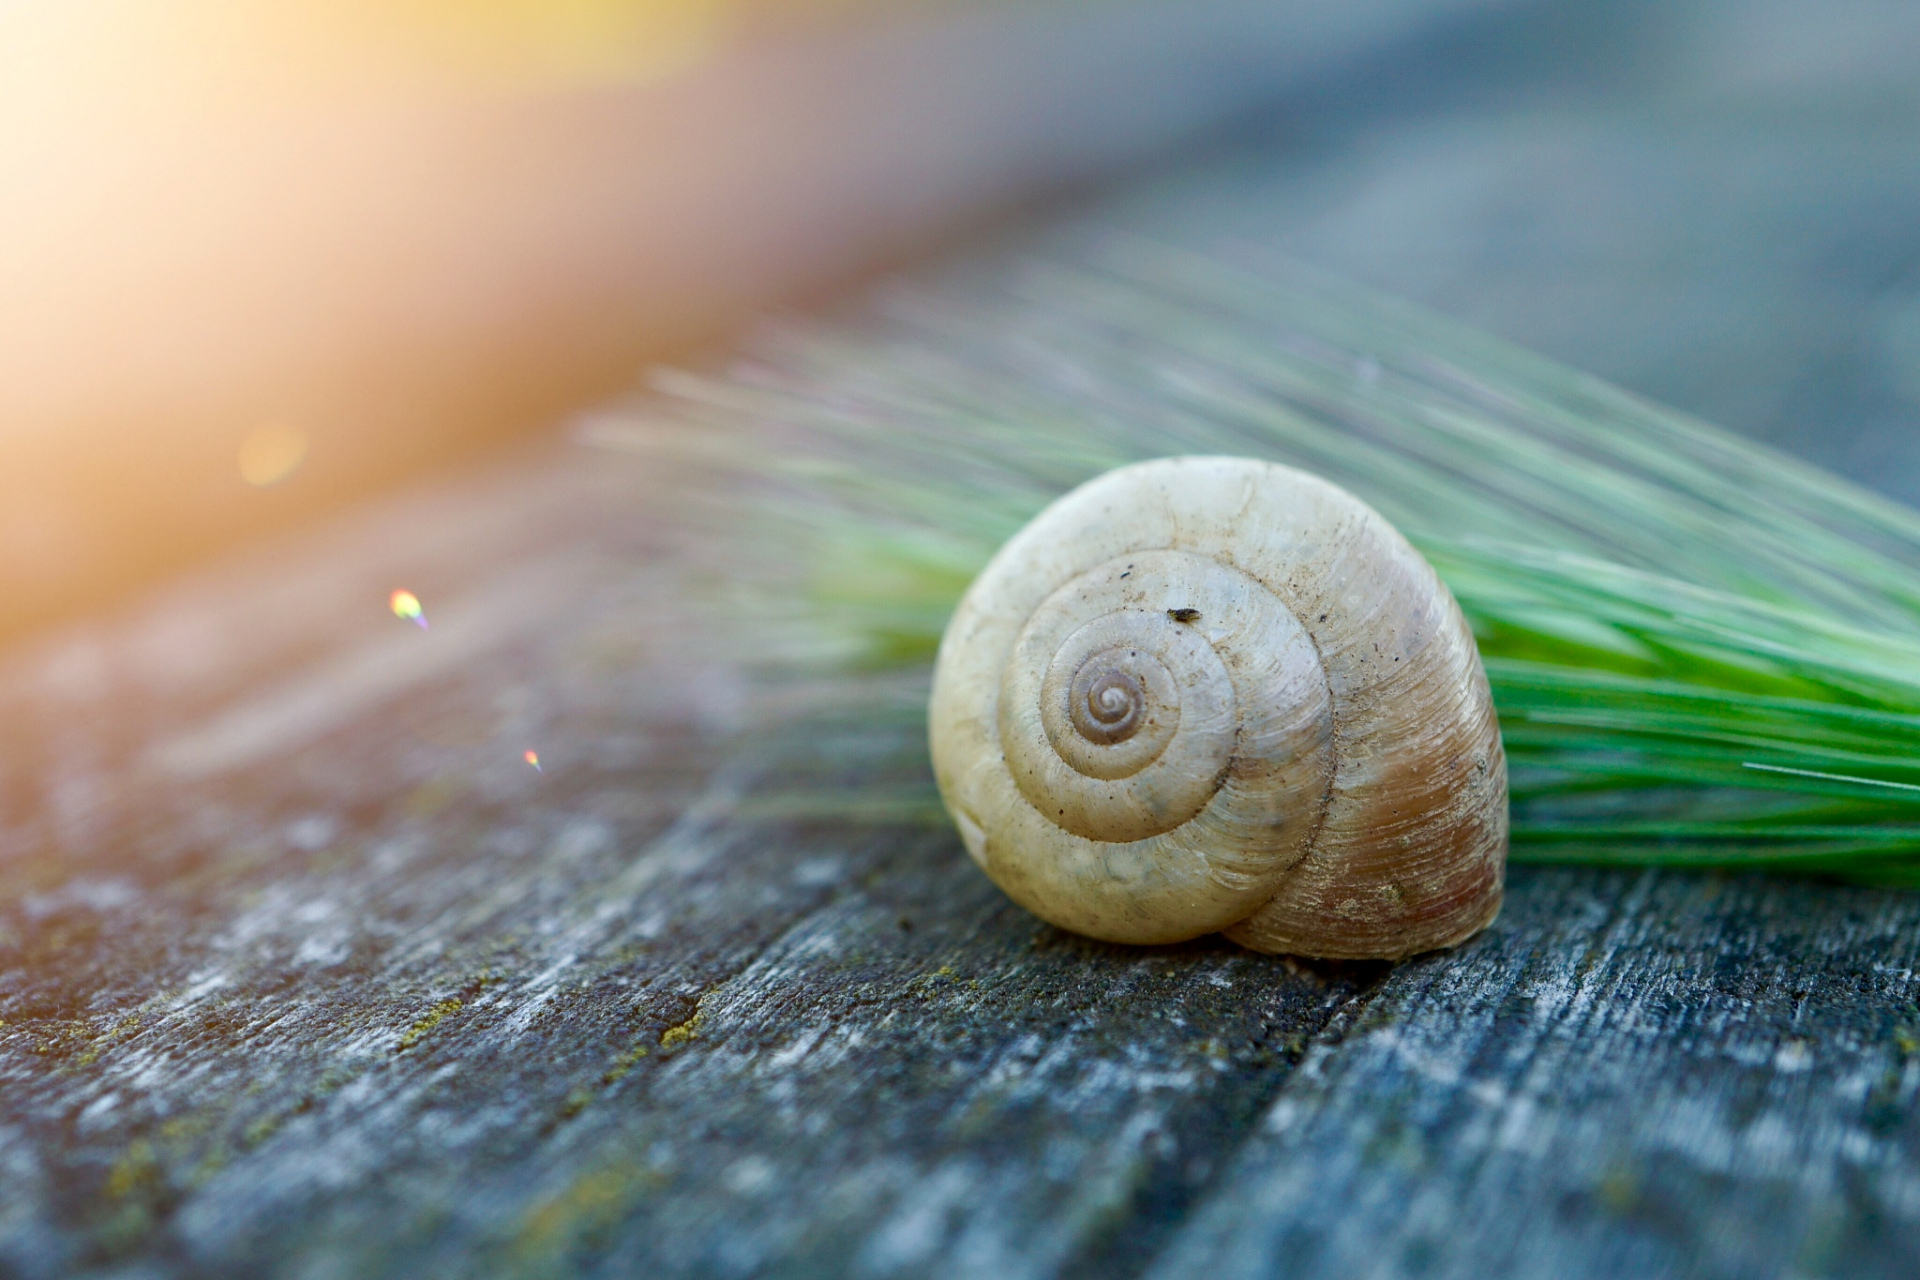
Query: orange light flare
198, 285
533, 758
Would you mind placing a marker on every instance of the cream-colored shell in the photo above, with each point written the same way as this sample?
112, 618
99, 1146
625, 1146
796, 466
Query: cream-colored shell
1203, 694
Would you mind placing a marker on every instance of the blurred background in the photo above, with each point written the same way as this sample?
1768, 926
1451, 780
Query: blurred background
260, 261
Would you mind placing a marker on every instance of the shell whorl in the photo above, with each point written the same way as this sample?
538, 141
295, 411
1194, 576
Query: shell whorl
1206, 694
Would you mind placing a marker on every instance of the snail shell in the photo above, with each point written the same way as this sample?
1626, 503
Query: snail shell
1204, 694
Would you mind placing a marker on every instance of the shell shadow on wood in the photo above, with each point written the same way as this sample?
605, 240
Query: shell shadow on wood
1215, 694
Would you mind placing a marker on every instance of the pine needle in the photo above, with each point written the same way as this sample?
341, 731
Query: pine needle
1704, 653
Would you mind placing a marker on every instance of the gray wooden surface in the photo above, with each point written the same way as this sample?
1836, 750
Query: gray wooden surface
304, 972
307, 973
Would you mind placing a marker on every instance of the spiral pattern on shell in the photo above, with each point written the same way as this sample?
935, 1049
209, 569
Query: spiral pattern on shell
1205, 694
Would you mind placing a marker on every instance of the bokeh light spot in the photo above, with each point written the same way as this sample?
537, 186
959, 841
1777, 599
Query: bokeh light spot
406, 606
271, 453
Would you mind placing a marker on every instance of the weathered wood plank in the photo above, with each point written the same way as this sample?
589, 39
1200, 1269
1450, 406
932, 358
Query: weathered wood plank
346, 985
1629, 1075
